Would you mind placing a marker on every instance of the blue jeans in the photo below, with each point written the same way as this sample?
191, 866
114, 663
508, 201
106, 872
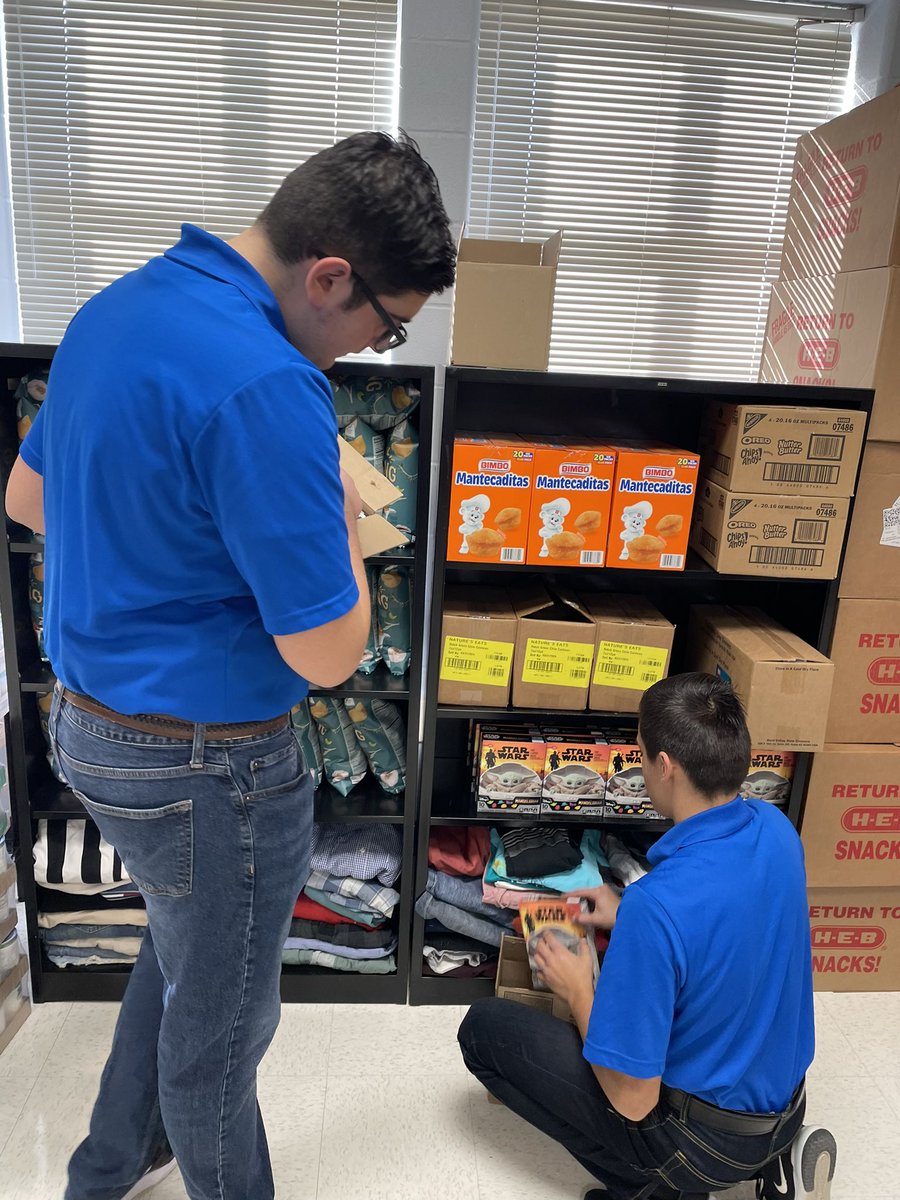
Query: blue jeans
217, 836
534, 1063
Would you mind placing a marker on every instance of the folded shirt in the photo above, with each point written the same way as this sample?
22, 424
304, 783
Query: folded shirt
444, 961
338, 962
586, 875
66, 932
537, 850
461, 921
343, 935
308, 909
293, 943
459, 850
507, 896
57, 901
353, 893
362, 850
360, 914
467, 894
111, 915
73, 956
130, 946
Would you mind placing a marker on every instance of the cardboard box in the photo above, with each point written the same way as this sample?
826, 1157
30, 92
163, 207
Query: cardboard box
780, 450
490, 499
631, 652
503, 303
865, 650
575, 770
513, 981
554, 650
510, 770
844, 207
855, 939
851, 823
571, 496
798, 537
770, 776
626, 791
478, 638
376, 534
871, 567
839, 331
652, 503
784, 683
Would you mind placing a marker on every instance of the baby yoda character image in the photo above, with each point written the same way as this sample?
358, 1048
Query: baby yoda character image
473, 511
766, 785
553, 516
508, 779
575, 781
634, 518
628, 786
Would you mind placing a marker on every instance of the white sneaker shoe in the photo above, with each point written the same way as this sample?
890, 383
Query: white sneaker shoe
157, 1171
804, 1170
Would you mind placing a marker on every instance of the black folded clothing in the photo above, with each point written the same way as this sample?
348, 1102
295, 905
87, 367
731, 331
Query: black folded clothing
343, 935
539, 850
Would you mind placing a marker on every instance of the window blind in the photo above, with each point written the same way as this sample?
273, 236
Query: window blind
127, 118
661, 139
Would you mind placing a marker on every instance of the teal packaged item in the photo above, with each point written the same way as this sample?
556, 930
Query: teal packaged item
402, 470
36, 600
394, 633
381, 733
381, 402
365, 441
29, 397
44, 704
307, 739
343, 759
371, 655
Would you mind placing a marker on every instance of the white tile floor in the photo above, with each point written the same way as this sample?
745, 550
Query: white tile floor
424, 1128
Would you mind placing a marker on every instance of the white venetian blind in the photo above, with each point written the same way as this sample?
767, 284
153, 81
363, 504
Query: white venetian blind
127, 117
661, 138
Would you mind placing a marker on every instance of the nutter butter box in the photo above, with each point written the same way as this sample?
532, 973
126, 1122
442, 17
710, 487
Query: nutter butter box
653, 500
490, 499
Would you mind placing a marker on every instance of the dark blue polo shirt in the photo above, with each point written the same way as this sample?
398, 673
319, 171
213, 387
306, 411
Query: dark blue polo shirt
192, 493
708, 977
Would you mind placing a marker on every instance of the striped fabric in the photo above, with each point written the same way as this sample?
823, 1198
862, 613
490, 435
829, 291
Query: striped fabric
72, 856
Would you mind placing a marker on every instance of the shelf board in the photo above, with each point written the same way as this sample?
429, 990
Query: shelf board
37, 677
637, 824
461, 711
380, 685
428, 989
403, 556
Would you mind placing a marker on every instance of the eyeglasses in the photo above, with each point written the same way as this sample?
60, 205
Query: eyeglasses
395, 334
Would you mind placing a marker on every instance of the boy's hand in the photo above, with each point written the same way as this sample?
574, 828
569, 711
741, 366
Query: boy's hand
604, 905
568, 975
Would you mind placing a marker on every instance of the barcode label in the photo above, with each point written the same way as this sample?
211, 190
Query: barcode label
592, 558
618, 669
828, 446
786, 556
496, 673
578, 673
782, 472
650, 677
708, 542
512, 554
814, 533
671, 562
551, 668
721, 462
463, 664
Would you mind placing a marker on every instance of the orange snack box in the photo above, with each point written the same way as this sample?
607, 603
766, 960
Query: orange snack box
570, 502
652, 504
490, 499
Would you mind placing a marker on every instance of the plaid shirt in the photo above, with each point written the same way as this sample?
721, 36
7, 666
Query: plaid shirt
360, 850
379, 899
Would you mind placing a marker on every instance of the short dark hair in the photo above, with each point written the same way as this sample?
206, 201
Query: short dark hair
373, 200
699, 721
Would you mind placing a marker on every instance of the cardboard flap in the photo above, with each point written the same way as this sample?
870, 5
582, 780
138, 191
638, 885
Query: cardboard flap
375, 491
7, 878
482, 604
552, 249
529, 599
624, 609
377, 535
572, 607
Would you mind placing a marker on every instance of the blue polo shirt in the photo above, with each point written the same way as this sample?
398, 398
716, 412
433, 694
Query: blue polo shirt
708, 978
192, 493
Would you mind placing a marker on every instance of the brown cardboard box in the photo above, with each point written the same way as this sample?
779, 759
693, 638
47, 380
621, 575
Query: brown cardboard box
839, 331
478, 637
514, 981
7, 986
779, 450
855, 939
851, 823
871, 567
554, 650
376, 534
844, 207
631, 651
503, 303
785, 684
795, 536
865, 650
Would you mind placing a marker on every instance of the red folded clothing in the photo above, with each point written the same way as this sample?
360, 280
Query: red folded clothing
310, 910
459, 850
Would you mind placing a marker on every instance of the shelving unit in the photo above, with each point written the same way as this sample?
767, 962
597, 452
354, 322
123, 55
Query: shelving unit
605, 408
36, 794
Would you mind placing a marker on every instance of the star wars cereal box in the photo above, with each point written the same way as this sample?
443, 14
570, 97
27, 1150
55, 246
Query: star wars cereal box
626, 791
570, 502
575, 769
651, 508
770, 776
510, 771
490, 499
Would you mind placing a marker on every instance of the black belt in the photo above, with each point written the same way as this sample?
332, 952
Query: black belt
175, 727
727, 1120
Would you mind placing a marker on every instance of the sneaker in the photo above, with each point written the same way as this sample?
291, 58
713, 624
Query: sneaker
163, 1165
804, 1170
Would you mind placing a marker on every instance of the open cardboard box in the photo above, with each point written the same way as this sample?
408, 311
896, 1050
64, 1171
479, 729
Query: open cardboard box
376, 534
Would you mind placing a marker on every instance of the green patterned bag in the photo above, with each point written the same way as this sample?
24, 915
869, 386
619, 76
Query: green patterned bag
382, 402
44, 704
381, 733
371, 655
29, 397
307, 739
401, 466
394, 619
36, 600
344, 761
365, 441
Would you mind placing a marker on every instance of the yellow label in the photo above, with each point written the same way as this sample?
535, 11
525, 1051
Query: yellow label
562, 664
620, 664
476, 660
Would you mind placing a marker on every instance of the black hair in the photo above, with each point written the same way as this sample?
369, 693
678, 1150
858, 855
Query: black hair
373, 200
699, 721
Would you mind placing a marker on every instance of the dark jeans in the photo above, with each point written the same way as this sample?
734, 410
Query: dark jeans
534, 1063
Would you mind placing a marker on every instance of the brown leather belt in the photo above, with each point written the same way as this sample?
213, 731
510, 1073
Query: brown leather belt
175, 727
728, 1120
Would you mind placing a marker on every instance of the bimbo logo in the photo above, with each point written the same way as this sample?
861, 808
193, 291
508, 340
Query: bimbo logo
500, 465
871, 818
659, 473
575, 469
846, 186
819, 354
857, 937
885, 671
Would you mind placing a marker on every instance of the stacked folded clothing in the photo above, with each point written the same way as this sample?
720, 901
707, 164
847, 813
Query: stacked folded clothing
341, 919
104, 929
458, 904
